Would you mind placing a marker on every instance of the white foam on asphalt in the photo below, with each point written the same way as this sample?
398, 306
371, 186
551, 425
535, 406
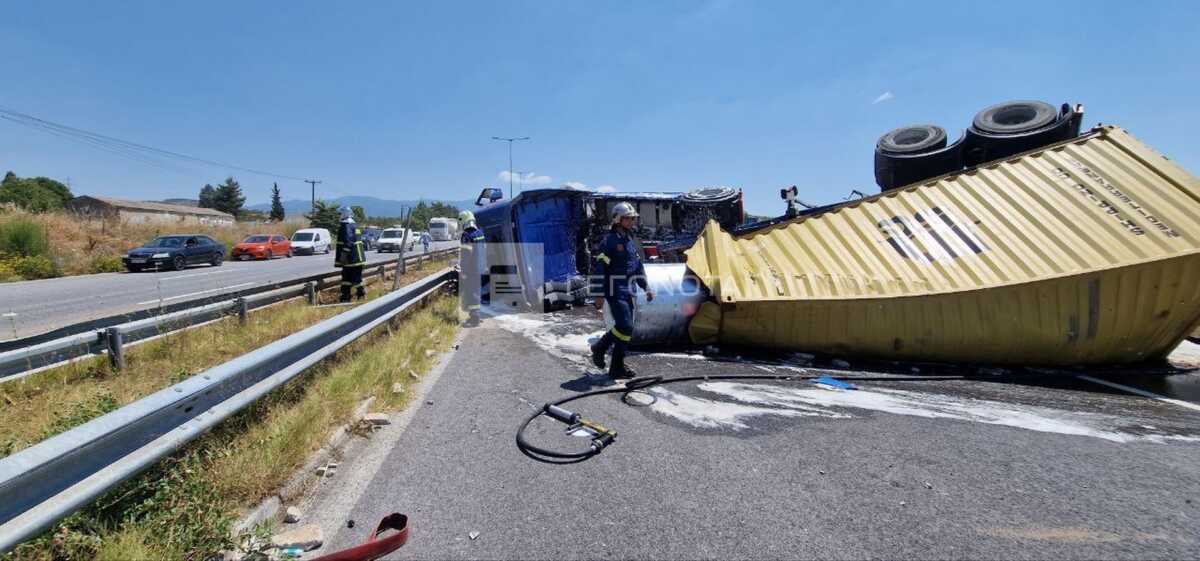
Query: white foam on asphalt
540, 328
712, 414
917, 404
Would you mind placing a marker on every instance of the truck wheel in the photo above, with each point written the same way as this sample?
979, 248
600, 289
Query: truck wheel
710, 195
914, 153
1014, 117
1013, 127
912, 139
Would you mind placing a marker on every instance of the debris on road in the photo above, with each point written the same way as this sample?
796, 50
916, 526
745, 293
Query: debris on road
377, 419
307, 538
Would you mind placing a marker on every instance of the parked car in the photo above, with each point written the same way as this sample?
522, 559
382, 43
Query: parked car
175, 252
392, 238
311, 240
262, 246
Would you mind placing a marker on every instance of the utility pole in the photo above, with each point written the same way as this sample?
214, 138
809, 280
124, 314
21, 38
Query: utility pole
314, 193
510, 170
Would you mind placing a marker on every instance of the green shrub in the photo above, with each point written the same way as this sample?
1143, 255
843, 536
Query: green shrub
106, 264
23, 237
37, 267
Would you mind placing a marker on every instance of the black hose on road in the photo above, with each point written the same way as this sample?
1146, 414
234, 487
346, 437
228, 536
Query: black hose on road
605, 437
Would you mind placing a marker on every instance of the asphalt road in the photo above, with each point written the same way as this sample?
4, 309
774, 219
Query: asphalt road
32, 307
1049, 467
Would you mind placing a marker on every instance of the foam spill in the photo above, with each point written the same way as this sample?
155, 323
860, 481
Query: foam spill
752, 400
540, 328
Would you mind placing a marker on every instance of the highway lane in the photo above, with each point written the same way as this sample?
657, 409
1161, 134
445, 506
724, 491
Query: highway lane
765, 470
32, 307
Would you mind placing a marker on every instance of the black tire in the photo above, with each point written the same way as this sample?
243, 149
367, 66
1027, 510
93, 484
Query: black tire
710, 195
1026, 126
133, 269
913, 139
270, 255
289, 253
1015, 117
179, 263
217, 259
326, 250
894, 170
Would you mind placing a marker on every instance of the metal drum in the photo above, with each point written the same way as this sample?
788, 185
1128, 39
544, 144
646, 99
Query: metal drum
677, 296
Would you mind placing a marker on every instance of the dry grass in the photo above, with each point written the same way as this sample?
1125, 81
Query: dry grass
184, 507
49, 402
81, 245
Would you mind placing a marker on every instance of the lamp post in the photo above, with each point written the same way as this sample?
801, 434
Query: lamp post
510, 170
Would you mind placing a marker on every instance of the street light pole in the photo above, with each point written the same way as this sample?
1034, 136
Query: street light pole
510, 170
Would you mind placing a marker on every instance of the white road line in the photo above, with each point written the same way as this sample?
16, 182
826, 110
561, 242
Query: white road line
1143, 393
197, 275
155, 301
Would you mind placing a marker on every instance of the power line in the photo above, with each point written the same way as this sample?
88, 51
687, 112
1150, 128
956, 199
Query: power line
133, 150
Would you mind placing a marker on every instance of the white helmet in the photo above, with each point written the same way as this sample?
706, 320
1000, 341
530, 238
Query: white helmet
622, 210
344, 212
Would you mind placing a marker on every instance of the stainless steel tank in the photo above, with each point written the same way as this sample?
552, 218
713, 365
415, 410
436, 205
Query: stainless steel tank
677, 296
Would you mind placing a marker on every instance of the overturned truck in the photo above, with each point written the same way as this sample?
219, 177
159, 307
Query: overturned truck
561, 228
1082, 251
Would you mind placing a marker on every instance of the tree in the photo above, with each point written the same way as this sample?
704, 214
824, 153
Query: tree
228, 197
359, 214
276, 205
35, 194
207, 196
324, 215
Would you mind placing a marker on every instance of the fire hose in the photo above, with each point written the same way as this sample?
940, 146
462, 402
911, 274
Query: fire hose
602, 437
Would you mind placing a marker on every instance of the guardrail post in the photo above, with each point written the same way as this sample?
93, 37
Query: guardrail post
114, 341
243, 310
310, 293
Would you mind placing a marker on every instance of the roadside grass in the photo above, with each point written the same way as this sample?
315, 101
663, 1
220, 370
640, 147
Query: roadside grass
77, 245
185, 507
46, 403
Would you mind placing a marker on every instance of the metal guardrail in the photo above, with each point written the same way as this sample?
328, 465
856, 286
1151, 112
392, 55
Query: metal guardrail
94, 337
126, 317
48, 481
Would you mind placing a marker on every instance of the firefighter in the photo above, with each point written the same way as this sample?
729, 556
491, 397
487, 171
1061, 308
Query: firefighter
473, 265
350, 257
616, 271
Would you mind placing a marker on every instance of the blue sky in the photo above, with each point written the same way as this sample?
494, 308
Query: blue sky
400, 99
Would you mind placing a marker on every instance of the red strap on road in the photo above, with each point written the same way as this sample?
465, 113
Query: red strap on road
375, 548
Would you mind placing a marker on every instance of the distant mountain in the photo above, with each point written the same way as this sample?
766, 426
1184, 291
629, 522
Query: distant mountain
374, 206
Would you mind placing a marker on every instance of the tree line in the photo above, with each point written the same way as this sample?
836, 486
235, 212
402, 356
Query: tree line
34, 194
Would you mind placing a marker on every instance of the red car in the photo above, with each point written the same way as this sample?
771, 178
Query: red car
262, 246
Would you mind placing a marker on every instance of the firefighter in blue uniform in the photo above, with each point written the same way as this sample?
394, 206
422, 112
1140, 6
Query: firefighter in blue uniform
350, 257
616, 271
473, 265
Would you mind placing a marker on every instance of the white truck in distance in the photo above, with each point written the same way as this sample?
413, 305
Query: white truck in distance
443, 229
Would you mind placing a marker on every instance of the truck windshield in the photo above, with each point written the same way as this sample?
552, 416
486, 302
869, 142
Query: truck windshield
302, 237
393, 234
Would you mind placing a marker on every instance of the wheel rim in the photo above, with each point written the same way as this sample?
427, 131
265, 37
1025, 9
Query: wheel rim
180, 262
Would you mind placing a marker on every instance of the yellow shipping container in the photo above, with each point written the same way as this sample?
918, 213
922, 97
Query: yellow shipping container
1084, 252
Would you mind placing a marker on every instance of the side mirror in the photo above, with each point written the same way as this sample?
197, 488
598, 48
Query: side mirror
492, 194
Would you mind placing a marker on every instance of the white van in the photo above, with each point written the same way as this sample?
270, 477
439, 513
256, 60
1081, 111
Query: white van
311, 240
392, 238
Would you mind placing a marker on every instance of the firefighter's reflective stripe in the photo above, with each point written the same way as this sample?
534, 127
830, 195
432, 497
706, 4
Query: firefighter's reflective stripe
604, 258
620, 335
